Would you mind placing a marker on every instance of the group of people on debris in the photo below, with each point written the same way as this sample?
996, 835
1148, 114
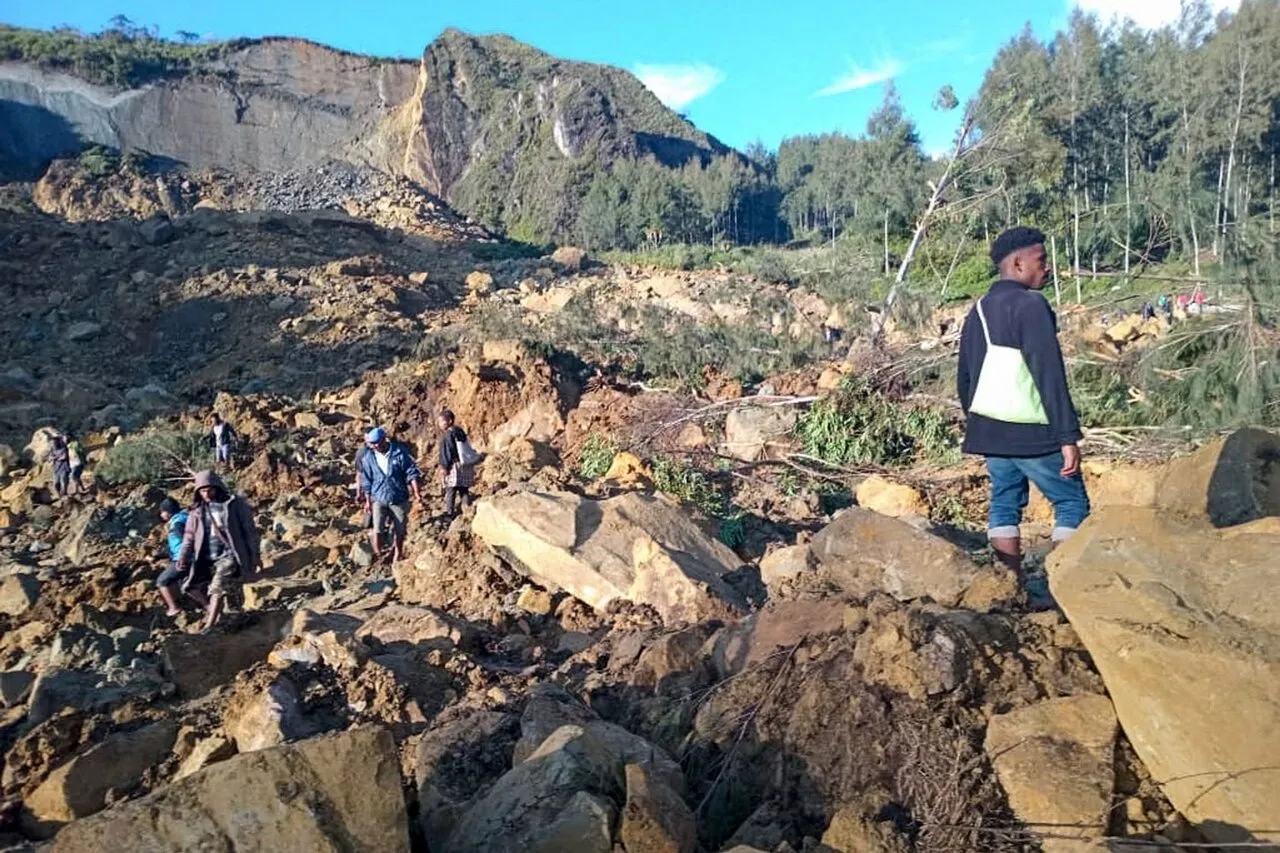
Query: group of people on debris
214, 543
1184, 304
1011, 381
67, 459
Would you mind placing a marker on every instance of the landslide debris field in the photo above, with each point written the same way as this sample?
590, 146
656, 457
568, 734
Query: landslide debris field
666, 625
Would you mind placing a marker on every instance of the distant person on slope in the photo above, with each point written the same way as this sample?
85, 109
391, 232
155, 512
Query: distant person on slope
75, 458
60, 459
387, 477
220, 542
457, 463
1012, 384
175, 522
222, 438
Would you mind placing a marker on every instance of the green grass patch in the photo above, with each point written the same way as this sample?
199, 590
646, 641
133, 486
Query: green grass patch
859, 425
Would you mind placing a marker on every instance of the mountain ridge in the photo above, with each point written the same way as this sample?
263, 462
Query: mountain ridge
506, 132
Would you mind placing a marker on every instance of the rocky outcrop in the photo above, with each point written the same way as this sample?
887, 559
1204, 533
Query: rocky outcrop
276, 104
474, 92
633, 547
1184, 632
340, 792
486, 122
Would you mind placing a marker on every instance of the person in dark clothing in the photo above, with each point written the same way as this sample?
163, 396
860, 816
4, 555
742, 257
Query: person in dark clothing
387, 477
222, 437
175, 522
458, 475
1012, 385
60, 459
220, 542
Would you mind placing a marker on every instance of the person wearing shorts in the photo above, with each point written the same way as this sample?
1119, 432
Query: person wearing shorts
175, 522
387, 478
220, 542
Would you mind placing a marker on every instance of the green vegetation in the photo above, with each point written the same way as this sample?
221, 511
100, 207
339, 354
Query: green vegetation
859, 425
1212, 373
596, 457
689, 485
155, 457
121, 55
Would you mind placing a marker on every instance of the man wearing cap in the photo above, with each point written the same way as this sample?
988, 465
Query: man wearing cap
387, 476
220, 542
1012, 384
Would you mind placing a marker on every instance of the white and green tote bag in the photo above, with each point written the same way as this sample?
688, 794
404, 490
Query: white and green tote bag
1006, 390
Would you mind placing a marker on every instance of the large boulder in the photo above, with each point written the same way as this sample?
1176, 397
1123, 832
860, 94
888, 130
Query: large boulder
1230, 481
258, 718
79, 787
633, 547
18, 594
405, 627
459, 760
539, 805
865, 552
1056, 761
655, 819
1186, 635
340, 792
756, 432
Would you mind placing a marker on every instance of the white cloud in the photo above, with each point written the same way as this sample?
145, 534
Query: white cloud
861, 78
1149, 14
677, 86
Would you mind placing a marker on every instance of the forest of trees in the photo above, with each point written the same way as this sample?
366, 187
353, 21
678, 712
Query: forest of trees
1128, 145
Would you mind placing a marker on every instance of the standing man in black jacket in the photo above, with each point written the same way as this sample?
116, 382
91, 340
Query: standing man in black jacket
1013, 387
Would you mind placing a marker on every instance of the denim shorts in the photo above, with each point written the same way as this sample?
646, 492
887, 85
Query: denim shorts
1010, 491
170, 576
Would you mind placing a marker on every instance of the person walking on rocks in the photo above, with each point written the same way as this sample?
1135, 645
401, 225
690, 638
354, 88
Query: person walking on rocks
60, 459
1012, 384
75, 458
175, 522
220, 542
457, 463
222, 438
387, 477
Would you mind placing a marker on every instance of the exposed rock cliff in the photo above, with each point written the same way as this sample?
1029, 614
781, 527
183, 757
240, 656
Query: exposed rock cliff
501, 130
276, 104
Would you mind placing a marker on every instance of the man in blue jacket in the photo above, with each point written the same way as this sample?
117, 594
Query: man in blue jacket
387, 476
1020, 416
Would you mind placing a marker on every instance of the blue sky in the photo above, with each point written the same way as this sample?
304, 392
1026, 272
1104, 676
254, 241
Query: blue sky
742, 70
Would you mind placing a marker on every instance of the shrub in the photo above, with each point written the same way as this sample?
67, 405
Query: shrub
687, 484
98, 161
155, 457
859, 425
123, 56
596, 457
